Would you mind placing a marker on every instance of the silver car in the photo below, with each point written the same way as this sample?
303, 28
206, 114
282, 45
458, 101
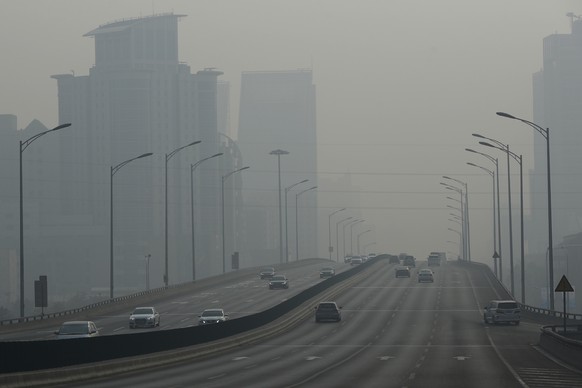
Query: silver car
77, 329
502, 311
144, 317
210, 316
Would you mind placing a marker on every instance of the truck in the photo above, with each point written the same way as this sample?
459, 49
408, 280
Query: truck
435, 258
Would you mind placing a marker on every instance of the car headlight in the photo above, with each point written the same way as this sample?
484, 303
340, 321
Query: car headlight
132, 318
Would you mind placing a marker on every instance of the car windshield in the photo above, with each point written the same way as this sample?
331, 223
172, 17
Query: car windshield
327, 269
279, 277
143, 311
74, 328
212, 313
507, 305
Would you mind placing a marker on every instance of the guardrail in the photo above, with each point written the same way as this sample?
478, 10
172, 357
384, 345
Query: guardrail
33, 318
561, 346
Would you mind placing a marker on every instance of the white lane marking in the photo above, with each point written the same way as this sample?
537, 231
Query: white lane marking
119, 328
239, 358
385, 358
462, 358
311, 358
216, 377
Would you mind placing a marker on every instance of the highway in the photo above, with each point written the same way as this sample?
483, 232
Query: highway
238, 295
395, 332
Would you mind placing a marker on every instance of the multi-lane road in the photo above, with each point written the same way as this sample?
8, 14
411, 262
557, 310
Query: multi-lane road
395, 332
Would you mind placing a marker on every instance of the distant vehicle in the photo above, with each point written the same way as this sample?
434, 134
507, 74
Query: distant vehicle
347, 259
435, 258
402, 272
77, 329
371, 255
211, 316
326, 272
502, 311
144, 317
328, 311
267, 273
356, 260
409, 261
393, 259
278, 281
425, 275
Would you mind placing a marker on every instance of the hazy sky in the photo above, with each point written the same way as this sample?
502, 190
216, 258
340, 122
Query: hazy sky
401, 85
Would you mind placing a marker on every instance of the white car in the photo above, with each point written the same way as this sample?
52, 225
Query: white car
210, 316
502, 311
144, 317
425, 275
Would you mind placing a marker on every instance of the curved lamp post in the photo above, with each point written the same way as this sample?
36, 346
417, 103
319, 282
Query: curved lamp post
279, 153
23, 146
518, 159
192, 168
224, 177
498, 253
352, 235
330, 247
467, 225
297, 220
287, 189
463, 211
492, 173
358, 239
114, 170
168, 157
546, 134
344, 233
337, 237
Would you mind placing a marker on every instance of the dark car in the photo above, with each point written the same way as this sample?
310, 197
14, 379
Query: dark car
267, 273
394, 259
278, 281
77, 329
409, 261
326, 272
402, 272
327, 311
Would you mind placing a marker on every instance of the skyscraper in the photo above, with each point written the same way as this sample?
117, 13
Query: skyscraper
139, 98
277, 111
557, 91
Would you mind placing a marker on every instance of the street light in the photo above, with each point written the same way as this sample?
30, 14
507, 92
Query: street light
358, 246
506, 146
330, 249
499, 252
518, 159
168, 157
287, 189
467, 225
114, 170
224, 177
23, 146
297, 220
546, 134
352, 235
148, 257
344, 235
463, 212
192, 168
279, 153
492, 173
337, 237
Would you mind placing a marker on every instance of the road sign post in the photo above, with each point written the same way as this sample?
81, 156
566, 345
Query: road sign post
563, 287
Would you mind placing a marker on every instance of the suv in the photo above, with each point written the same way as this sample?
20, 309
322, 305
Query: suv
402, 272
328, 311
498, 311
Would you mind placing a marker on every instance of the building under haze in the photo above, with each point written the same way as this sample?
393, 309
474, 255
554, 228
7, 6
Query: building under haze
138, 98
557, 92
277, 111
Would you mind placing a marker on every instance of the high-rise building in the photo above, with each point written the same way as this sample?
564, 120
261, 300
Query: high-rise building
557, 92
277, 111
139, 98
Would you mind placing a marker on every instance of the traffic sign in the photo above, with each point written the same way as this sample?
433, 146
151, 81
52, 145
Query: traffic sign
564, 285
